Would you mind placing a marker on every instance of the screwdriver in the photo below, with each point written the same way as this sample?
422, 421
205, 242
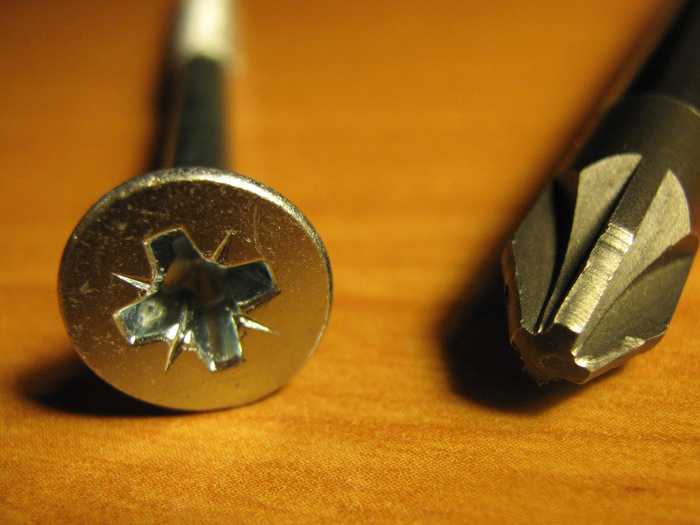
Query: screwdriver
595, 270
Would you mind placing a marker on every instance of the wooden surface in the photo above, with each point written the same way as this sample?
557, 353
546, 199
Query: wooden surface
413, 135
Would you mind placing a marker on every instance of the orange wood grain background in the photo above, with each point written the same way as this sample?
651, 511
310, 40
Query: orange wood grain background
413, 135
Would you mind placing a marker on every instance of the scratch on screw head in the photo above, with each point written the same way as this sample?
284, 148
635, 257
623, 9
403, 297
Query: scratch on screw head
256, 239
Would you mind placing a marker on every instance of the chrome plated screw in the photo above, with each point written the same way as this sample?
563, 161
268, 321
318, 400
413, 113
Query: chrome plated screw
193, 287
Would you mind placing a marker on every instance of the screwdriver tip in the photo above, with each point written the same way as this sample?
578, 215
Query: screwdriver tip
596, 268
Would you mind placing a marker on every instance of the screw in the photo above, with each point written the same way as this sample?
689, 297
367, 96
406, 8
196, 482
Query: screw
192, 287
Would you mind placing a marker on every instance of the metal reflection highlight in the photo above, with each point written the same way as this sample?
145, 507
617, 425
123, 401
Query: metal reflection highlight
195, 303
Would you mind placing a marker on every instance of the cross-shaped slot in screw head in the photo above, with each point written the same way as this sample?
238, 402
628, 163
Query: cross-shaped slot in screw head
194, 302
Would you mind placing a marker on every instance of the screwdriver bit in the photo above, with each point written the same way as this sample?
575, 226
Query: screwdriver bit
595, 270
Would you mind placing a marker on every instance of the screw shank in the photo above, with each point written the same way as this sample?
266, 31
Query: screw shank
198, 127
201, 47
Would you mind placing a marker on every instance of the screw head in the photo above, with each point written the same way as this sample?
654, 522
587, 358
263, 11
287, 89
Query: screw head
195, 289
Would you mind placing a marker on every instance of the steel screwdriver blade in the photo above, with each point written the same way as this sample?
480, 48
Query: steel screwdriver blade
596, 268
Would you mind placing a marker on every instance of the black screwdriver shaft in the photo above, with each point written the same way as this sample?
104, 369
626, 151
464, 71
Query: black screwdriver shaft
674, 68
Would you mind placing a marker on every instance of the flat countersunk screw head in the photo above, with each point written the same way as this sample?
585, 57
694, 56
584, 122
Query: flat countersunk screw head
195, 289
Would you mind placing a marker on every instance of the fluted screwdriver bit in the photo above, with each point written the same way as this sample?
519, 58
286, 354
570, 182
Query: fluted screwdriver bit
595, 270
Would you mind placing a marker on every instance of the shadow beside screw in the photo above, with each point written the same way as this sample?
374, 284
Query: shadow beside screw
67, 385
